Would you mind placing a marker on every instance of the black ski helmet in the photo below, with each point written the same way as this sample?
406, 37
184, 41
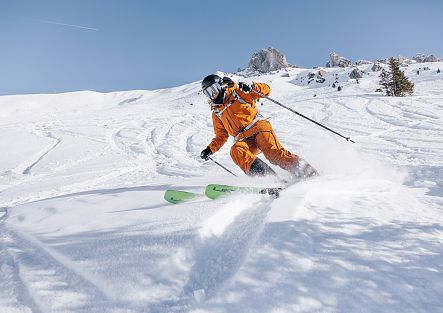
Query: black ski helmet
214, 80
209, 80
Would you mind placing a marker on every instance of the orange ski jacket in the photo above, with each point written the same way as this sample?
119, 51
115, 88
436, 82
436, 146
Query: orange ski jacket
236, 114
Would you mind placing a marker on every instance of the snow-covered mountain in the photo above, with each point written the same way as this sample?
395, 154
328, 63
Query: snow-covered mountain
84, 227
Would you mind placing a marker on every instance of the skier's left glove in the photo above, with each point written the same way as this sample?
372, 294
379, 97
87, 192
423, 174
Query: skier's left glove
244, 87
205, 153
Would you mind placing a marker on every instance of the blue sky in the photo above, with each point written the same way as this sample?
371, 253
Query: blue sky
68, 45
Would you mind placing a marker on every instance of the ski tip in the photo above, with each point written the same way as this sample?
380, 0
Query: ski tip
177, 196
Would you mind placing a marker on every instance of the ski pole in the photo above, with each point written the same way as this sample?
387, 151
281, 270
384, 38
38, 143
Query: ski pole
221, 166
293, 111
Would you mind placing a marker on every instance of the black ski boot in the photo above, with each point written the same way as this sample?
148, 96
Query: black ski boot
260, 168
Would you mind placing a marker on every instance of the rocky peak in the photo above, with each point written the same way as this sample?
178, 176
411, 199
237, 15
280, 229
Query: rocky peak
267, 60
356, 74
376, 67
337, 61
422, 58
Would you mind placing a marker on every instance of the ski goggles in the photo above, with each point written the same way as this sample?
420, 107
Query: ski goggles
212, 91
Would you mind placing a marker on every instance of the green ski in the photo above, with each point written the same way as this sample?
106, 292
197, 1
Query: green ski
214, 191
177, 196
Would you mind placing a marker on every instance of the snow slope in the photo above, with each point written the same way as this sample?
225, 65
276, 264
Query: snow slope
84, 227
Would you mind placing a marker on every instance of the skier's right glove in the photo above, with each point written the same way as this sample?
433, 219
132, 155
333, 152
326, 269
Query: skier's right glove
206, 152
244, 87
226, 81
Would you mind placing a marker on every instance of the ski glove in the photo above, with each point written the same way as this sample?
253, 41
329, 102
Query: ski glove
205, 153
228, 82
244, 87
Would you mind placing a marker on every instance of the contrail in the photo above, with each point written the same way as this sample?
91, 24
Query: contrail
63, 24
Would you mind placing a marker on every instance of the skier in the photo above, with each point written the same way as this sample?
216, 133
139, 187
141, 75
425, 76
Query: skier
234, 113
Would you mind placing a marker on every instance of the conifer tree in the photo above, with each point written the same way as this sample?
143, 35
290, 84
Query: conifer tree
394, 82
385, 79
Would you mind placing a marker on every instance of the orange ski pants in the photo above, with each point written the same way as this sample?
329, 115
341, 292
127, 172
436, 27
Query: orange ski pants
261, 138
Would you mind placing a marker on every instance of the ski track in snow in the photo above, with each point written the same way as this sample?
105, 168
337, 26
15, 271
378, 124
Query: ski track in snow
39, 156
84, 228
49, 277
